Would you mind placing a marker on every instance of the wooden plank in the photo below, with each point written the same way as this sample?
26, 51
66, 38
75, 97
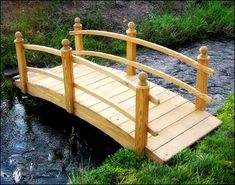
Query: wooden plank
187, 138
176, 129
174, 115
165, 107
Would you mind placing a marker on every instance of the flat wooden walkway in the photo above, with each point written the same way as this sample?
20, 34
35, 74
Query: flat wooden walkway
173, 125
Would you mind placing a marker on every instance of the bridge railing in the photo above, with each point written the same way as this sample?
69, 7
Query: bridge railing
142, 88
203, 71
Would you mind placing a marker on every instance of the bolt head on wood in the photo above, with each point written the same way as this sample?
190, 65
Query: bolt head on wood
143, 78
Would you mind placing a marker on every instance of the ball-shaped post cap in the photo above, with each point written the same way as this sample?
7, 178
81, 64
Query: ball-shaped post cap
65, 42
77, 20
131, 25
18, 35
203, 50
142, 78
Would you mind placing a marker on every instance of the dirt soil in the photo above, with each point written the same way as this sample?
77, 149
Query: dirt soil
116, 14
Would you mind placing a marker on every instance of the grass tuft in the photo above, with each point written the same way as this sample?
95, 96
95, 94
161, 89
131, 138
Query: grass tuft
210, 161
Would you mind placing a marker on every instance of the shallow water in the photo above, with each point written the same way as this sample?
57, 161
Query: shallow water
37, 142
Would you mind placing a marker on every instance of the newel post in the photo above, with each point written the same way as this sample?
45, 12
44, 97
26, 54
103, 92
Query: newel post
202, 78
66, 55
131, 48
78, 38
20, 53
141, 113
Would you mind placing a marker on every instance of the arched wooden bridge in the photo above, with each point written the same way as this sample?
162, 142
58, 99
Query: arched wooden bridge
138, 114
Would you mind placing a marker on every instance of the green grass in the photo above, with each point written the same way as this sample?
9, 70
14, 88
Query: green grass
210, 161
212, 19
45, 23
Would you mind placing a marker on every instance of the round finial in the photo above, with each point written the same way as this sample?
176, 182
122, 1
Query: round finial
203, 50
131, 25
142, 78
65, 42
18, 34
77, 20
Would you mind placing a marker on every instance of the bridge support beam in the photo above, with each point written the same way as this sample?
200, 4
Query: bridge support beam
66, 55
20, 52
131, 48
141, 113
202, 78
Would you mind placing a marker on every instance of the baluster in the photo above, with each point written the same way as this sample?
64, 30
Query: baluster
20, 52
202, 78
66, 55
131, 48
141, 113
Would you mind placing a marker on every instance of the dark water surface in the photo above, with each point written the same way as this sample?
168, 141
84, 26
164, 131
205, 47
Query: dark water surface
37, 141
220, 85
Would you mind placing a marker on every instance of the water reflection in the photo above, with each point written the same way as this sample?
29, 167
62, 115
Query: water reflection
41, 143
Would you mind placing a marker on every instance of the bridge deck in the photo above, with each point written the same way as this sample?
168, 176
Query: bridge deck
175, 119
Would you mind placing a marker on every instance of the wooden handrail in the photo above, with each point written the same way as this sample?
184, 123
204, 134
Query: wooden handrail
149, 70
148, 44
43, 49
105, 100
47, 73
122, 80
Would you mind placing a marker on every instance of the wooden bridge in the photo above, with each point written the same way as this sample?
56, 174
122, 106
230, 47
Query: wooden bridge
138, 114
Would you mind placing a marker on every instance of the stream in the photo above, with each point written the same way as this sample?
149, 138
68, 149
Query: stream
220, 85
42, 144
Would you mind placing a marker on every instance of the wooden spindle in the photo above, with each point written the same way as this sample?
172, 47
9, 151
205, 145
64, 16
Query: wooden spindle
66, 55
131, 48
202, 78
78, 38
141, 112
20, 52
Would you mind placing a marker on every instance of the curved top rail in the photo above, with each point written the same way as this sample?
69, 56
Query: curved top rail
147, 69
103, 70
44, 72
43, 49
148, 44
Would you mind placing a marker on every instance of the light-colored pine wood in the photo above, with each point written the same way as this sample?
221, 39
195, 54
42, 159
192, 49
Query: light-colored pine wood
43, 49
132, 65
147, 44
141, 120
172, 116
110, 100
105, 100
66, 55
104, 71
46, 73
202, 78
187, 138
165, 107
131, 49
176, 128
20, 52
78, 38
